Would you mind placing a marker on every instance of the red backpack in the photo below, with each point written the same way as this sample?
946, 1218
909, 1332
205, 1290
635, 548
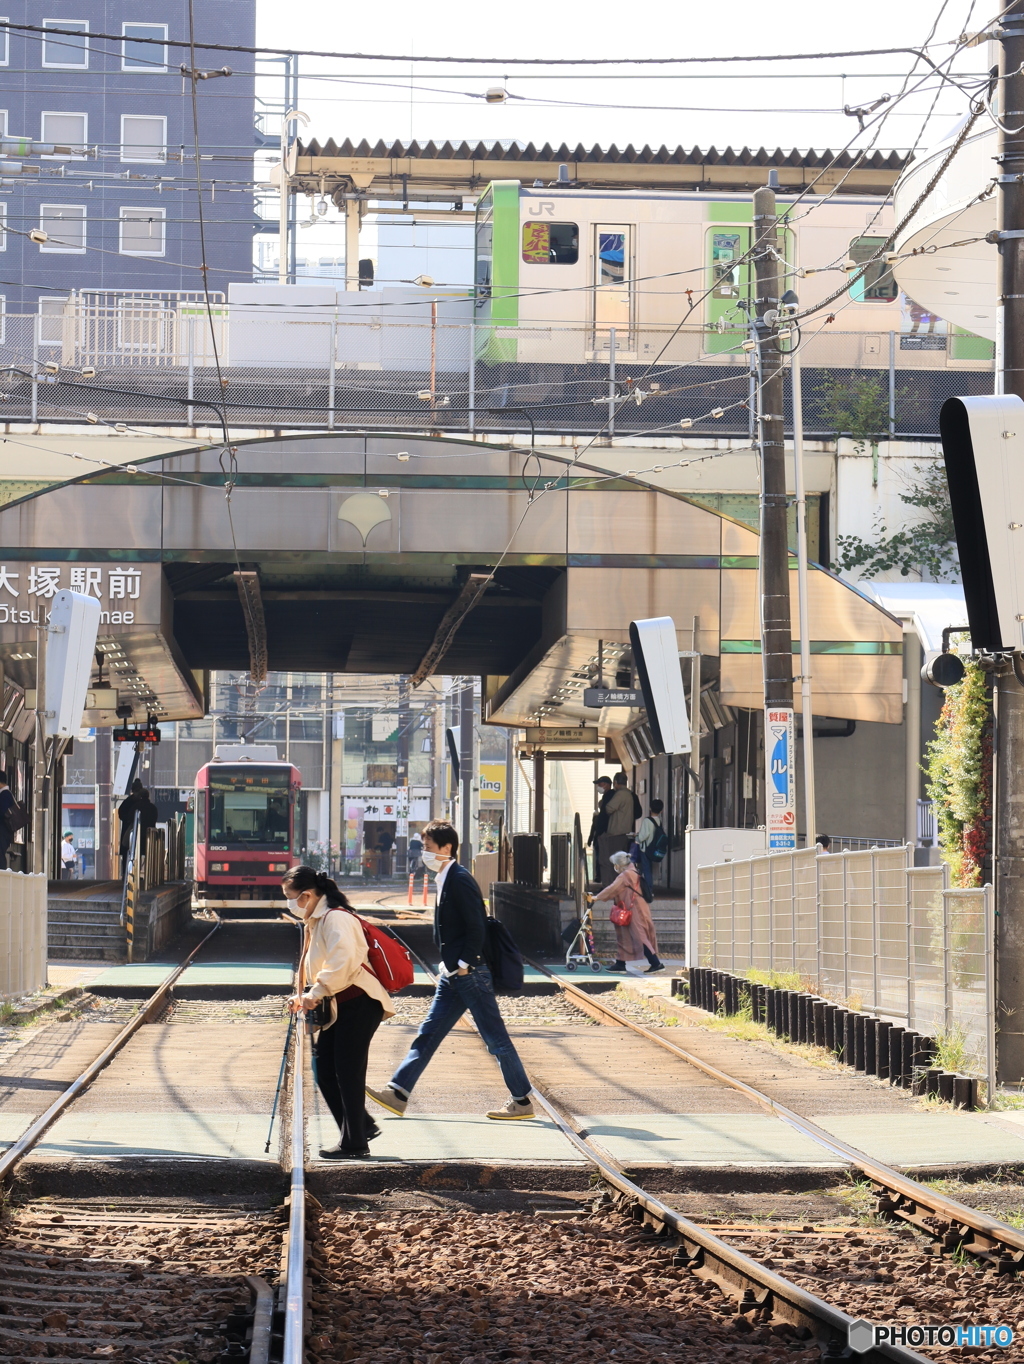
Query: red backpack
390, 960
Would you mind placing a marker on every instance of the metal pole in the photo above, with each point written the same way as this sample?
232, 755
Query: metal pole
332, 371
352, 245
472, 371
36, 324
467, 721
912, 724
892, 385
776, 628
806, 706
282, 222
191, 416
1009, 738
694, 810
40, 831
611, 381
988, 909
433, 360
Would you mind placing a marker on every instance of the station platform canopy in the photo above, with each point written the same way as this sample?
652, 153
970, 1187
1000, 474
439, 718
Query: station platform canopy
418, 172
384, 553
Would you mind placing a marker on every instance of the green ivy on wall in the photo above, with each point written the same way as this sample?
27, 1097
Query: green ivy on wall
959, 769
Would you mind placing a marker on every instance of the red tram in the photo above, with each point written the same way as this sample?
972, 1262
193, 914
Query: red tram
245, 833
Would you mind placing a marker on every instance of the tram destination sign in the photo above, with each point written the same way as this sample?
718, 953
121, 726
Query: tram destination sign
596, 698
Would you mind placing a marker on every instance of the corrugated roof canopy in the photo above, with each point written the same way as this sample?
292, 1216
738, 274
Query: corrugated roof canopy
466, 167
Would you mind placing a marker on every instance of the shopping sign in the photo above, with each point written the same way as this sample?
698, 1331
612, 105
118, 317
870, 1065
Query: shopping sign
780, 783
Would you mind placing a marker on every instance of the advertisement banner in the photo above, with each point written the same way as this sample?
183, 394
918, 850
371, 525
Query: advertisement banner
492, 781
780, 777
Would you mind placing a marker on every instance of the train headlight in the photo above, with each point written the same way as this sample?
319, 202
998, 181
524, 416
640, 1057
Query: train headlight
278, 866
220, 866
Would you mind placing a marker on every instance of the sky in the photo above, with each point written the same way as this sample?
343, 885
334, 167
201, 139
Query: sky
787, 104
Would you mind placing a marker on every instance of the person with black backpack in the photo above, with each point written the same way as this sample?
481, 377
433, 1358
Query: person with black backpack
464, 983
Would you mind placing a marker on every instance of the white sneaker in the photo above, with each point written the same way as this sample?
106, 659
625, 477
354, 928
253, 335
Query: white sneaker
514, 1111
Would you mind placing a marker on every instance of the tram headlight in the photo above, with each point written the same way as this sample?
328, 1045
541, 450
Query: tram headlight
220, 866
278, 866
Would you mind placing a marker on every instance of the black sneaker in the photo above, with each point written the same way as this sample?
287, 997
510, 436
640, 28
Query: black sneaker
372, 1131
617, 968
655, 965
339, 1153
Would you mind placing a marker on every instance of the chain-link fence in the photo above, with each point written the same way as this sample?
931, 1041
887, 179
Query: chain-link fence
160, 359
867, 929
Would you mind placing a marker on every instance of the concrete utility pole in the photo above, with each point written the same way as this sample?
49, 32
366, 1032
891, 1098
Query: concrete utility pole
1009, 698
776, 627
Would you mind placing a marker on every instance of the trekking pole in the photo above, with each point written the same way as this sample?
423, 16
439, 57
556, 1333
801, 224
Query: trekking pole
280, 1079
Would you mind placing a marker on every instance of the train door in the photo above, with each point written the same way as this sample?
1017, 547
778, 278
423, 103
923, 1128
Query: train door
614, 286
731, 277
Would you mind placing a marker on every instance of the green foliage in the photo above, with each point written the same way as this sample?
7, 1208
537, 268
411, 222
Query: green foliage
856, 407
958, 764
928, 547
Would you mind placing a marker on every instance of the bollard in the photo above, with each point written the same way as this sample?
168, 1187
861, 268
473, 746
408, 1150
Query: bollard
425, 882
896, 1055
911, 1041
931, 1080
870, 1039
794, 1015
945, 1086
803, 1003
757, 1003
829, 1013
769, 1007
858, 1041
882, 1030
849, 1040
965, 1092
412, 880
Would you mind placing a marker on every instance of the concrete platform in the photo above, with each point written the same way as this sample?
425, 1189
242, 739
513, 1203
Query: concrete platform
462, 1137
121, 1136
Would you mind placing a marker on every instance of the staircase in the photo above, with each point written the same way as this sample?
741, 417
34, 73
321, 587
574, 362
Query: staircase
84, 921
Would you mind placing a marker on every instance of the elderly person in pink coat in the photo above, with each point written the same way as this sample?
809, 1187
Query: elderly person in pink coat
636, 937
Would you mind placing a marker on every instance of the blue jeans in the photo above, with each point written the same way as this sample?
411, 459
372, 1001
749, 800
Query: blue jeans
453, 996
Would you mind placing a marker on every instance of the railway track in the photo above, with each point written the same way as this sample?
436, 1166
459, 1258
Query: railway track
155, 1279
955, 1225
758, 1294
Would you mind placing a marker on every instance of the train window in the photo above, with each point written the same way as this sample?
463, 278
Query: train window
200, 804
725, 253
877, 284
244, 816
551, 243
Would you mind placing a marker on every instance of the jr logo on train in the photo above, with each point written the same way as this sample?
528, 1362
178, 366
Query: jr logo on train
245, 833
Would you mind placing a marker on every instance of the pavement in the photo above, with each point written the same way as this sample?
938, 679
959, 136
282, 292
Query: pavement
203, 1090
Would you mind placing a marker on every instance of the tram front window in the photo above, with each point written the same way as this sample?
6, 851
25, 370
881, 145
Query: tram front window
248, 815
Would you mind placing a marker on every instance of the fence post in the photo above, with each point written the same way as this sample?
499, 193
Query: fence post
947, 977
191, 416
332, 369
874, 929
611, 382
892, 385
36, 322
846, 932
472, 371
732, 931
908, 902
817, 916
990, 996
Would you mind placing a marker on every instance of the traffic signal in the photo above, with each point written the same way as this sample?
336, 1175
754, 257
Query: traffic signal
983, 446
656, 655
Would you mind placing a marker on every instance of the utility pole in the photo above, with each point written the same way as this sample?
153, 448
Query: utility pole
467, 725
776, 627
1009, 695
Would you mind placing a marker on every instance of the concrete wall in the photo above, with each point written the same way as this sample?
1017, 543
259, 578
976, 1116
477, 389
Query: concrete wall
162, 914
859, 782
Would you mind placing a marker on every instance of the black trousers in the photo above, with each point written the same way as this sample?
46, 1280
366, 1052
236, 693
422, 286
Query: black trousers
341, 1053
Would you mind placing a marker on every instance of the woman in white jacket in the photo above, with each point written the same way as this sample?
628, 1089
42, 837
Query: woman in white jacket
335, 973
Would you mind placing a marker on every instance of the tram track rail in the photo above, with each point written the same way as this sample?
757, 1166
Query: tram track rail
899, 1198
759, 1293
54, 1282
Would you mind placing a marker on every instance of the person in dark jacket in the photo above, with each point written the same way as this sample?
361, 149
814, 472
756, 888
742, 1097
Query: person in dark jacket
138, 801
7, 802
599, 824
464, 982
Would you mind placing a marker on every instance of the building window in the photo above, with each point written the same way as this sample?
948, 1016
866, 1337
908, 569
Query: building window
64, 224
877, 284
551, 243
62, 50
65, 130
142, 231
5, 41
51, 321
143, 137
144, 56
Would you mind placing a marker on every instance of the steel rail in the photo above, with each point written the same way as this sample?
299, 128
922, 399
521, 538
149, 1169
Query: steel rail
32, 1134
974, 1231
295, 1271
761, 1294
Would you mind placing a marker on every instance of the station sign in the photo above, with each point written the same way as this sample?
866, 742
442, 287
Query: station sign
128, 593
566, 737
596, 698
780, 784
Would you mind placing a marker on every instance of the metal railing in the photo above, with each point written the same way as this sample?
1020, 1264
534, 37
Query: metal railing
153, 356
865, 928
